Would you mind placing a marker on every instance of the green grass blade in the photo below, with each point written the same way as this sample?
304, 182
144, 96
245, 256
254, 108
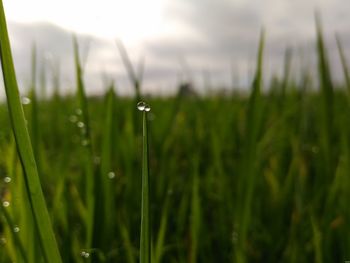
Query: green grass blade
130, 70
82, 99
145, 239
248, 181
16, 239
195, 218
327, 97
286, 72
88, 155
317, 240
159, 247
344, 63
34, 121
105, 215
125, 237
43, 87
25, 150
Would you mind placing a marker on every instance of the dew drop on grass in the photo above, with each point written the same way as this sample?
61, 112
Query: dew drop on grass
85, 254
80, 124
25, 100
5, 203
7, 179
16, 229
147, 108
111, 175
141, 106
3, 241
73, 118
85, 142
78, 111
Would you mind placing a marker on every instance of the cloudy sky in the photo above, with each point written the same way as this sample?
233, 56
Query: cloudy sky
204, 40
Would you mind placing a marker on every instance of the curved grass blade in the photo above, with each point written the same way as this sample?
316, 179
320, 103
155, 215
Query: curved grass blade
16, 239
25, 150
136, 80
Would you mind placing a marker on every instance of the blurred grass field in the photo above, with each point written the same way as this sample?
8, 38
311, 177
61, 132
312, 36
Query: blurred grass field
259, 177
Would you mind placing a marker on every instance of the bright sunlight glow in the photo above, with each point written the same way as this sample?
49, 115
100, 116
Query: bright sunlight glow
131, 20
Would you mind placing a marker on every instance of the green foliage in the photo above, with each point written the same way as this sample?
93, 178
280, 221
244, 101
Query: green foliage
25, 150
242, 178
145, 236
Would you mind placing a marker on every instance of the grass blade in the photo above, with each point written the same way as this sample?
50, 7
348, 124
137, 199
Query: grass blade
88, 155
344, 63
24, 148
16, 239
136, 80
246, 188
105, 215
145, 239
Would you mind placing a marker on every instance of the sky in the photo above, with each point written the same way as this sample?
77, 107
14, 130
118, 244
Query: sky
212, 43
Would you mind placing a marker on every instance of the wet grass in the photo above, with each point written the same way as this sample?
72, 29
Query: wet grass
261, 177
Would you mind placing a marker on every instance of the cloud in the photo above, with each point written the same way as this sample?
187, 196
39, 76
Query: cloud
209, 37
53, 45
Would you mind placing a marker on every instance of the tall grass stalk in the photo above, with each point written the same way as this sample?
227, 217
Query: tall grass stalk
87, 151
25, 150
327, 97
344, 63
248, 181
105, 216
135, 77
145, 238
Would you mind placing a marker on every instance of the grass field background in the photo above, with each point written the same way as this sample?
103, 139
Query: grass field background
255, 177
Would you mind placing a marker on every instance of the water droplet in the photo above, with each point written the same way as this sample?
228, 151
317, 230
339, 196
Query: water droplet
141, 106
85, 142
7, 179
25, 100
111, 175
80, 124
16, 229
73, 118
5, 203
3, 241
78, 111
85, 254
147, 108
